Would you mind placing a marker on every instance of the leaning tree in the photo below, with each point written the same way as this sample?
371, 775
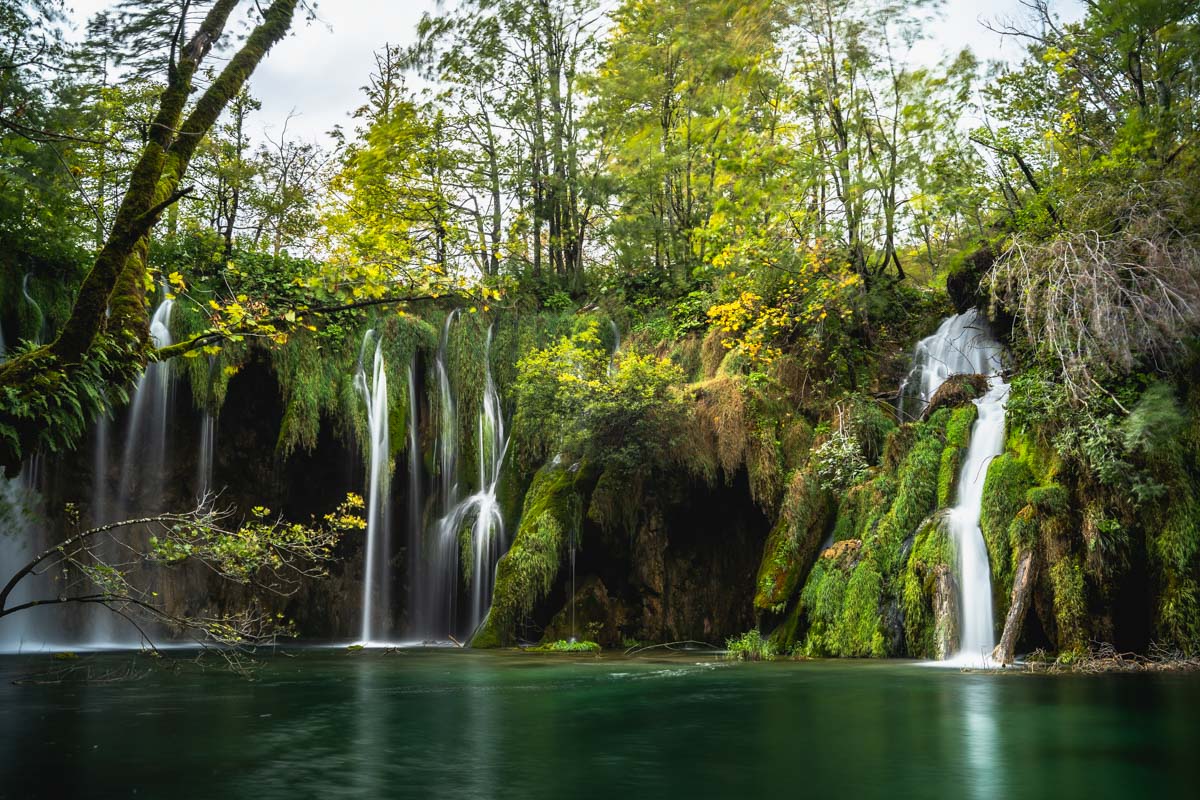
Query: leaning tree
50, 394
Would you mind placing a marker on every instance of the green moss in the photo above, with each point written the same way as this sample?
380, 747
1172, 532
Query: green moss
566, 646
1070, 604
958, 428
553, 508
1004, 488
1052, 499
932, 549
861, 508
793, 542
948, 475
1173, 539
842, 601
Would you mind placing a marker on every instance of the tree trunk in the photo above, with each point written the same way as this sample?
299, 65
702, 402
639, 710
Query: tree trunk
1022, 591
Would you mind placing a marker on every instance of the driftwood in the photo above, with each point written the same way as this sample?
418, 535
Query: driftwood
1022, 591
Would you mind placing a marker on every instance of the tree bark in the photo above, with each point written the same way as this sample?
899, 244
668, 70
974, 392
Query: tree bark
1022, 591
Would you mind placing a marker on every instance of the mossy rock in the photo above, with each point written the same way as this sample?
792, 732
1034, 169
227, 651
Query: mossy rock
931, 561
597, 616
792, 544
1004, 489
957, 391
1070, 604
524, 575
1053, 499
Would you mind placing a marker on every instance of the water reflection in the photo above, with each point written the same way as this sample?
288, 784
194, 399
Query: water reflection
981, 740
460, 724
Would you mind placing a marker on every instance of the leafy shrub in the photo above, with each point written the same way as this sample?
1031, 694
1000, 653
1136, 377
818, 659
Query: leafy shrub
750, 646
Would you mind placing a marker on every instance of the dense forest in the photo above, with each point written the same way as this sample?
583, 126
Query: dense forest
596, 322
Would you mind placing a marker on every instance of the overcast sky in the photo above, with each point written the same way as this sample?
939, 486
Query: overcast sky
319, 70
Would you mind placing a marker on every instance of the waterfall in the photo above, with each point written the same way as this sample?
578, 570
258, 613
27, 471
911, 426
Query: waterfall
375, 573
204, 461
3, 346
963, 344
40, 334
418, 596
144, 459
208, 445
448, 430
974, 575
143, 480
481, 510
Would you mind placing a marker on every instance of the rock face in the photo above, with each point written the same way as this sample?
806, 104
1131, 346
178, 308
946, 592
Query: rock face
598, 617
956, 391
945, 613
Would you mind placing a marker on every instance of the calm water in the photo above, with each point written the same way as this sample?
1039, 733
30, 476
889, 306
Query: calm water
461, 724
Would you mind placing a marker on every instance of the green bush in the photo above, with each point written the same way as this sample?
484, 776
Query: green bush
750, 646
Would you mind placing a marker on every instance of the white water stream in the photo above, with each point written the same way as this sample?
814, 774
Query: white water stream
374, 393
963, 344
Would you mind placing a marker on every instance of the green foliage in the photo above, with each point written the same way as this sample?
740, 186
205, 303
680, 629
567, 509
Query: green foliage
750, 646
568, 400
839, 462
553, 510
1070, 604
566, 646
1004, 496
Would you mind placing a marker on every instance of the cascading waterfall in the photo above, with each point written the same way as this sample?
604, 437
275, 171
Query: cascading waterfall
374, 392
437, 577
963, 344
18, 532
419, 606
448, 430
3, 346
974, 574
204, 460
142, 483
481, 510
144, 458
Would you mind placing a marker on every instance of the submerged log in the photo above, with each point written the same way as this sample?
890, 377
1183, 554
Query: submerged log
1023, 581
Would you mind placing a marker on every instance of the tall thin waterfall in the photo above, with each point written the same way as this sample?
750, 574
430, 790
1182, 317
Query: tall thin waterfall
208, 445
3, 346
142, 482
448, 429
437, 578
481, 510
18, 536
40, 334
375, 584
963, 344
974, 575
144, 459
418, 596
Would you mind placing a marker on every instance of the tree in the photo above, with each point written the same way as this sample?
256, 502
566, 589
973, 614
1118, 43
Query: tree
51, 393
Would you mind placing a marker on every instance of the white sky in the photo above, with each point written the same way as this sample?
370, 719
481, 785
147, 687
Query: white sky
319, 70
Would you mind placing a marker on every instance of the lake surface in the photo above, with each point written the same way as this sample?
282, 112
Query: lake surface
439, 723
